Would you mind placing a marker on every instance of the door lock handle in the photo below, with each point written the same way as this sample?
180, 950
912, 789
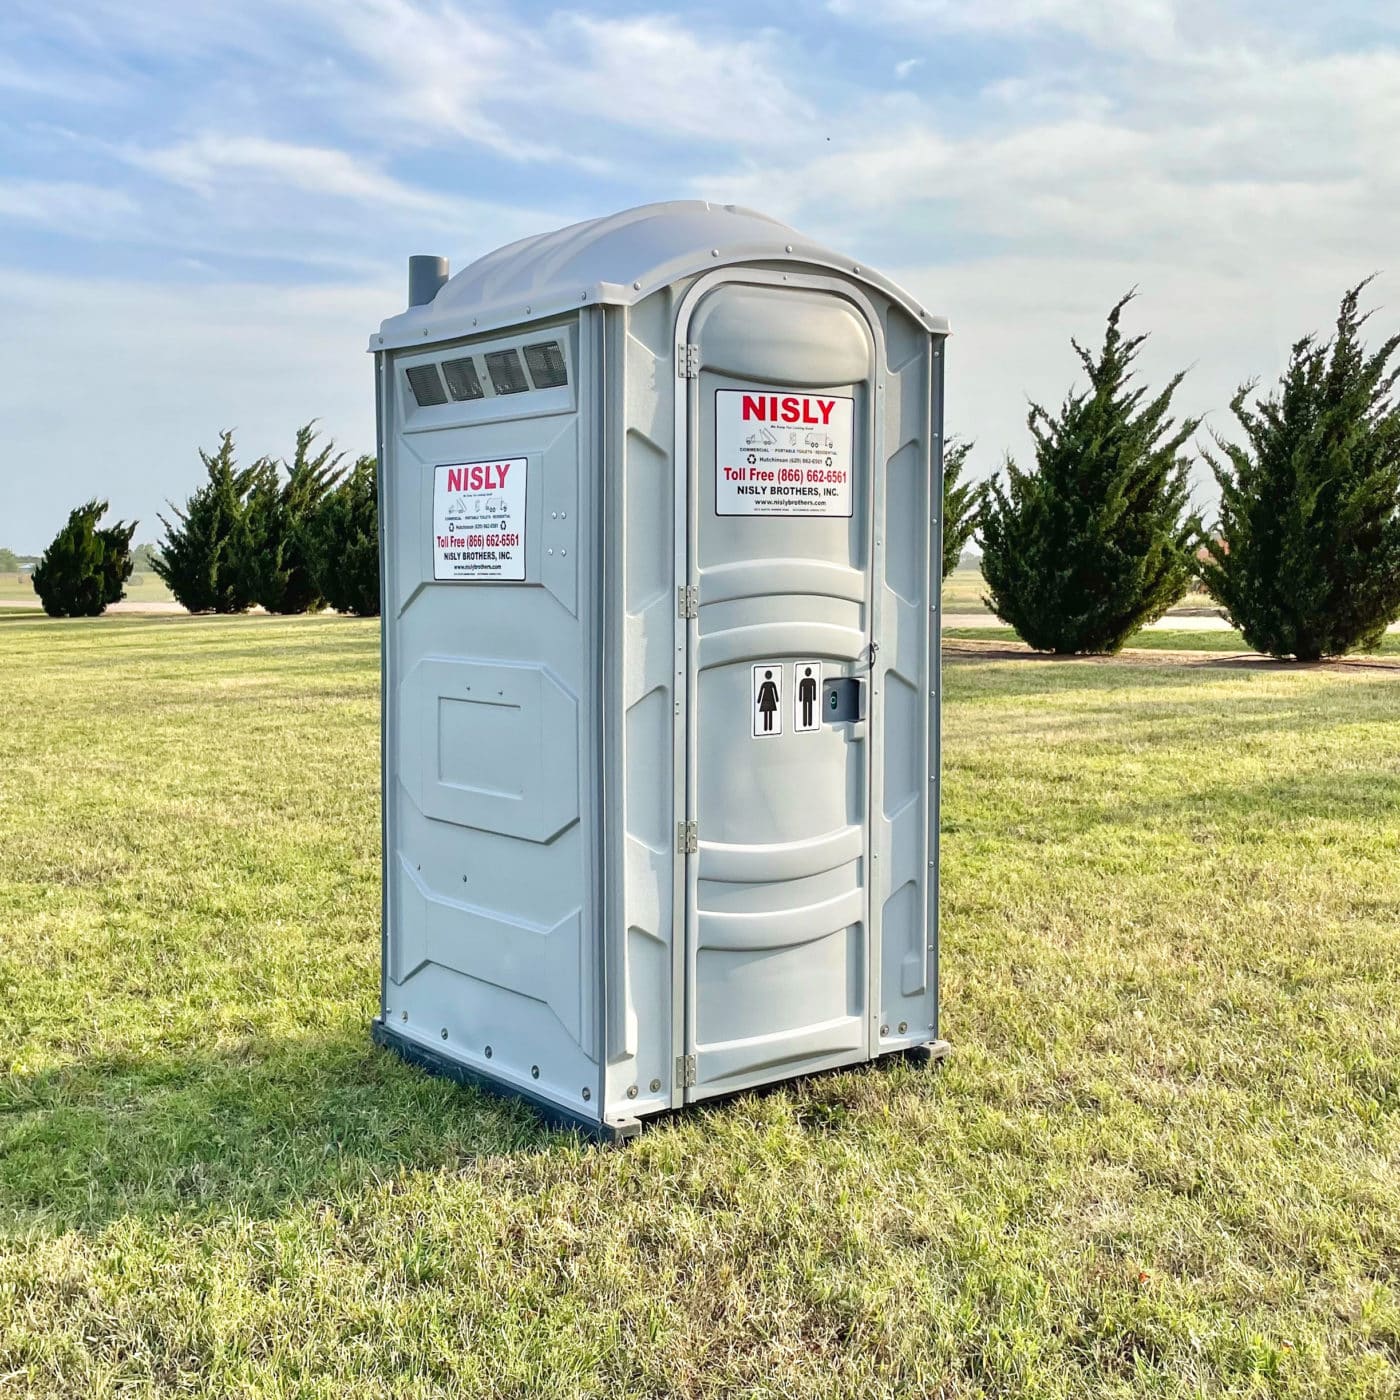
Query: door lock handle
843, 700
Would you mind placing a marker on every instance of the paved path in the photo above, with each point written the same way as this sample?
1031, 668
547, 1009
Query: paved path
131, 605
1195, 622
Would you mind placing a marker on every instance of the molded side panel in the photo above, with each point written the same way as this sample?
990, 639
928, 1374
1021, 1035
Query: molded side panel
905, 810
490, 698
640, 728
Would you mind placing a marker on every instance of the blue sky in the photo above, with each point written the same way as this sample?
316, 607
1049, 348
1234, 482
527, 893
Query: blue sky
205, 208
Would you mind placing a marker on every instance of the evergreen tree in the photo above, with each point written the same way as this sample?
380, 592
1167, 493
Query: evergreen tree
85, 568
279, 574
201, 558
1094, 544
341, 543
1306, 556
117, 561
960, 500
260, 553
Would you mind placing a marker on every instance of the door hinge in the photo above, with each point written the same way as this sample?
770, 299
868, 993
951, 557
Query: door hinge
688, 600
687, 838
688, 361
685, 1071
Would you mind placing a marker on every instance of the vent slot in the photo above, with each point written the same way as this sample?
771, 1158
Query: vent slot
426, 386
545, 361
463, 382
507, 377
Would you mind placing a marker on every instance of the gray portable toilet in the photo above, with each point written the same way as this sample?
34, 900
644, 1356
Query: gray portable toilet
660, 503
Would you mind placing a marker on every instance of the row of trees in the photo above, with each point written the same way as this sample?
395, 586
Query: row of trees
1096, 542
1100, 540
291, 537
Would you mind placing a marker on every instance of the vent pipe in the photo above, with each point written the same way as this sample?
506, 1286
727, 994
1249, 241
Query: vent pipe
426, 275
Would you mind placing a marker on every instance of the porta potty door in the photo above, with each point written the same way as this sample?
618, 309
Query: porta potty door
778, 660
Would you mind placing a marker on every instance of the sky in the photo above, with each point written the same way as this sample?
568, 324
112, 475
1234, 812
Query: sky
205, 209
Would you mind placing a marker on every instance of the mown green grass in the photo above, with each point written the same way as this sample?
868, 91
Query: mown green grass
140, 587
1161, 639
1164, 1160
963, 590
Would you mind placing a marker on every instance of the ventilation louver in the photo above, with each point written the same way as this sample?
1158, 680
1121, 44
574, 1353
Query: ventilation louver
507, 377
463, 382
426, 386
545, 361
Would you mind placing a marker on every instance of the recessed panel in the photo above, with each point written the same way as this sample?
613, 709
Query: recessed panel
906, 523
775, 990
494, 747
479, 744
903, 743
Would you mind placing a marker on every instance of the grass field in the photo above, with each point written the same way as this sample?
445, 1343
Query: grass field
1164, 1160
1160, 639
963, 590
140, 588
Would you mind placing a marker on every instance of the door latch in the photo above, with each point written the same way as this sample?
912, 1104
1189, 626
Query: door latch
843, 700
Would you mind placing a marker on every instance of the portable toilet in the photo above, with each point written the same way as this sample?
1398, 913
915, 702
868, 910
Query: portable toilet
660, 502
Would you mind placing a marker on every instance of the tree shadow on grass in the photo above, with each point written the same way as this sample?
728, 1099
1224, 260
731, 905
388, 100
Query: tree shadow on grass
245, 1131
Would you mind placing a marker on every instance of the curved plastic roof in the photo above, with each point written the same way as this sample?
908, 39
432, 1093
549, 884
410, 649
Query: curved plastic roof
618, 259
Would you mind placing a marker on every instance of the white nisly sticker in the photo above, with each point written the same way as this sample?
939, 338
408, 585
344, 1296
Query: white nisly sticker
780, 453
479, 520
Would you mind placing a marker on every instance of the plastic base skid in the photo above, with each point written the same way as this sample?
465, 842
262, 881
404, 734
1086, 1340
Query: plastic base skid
931, 1055
554, 1114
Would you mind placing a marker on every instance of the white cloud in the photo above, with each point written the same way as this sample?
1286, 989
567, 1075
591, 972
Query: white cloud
653, 73
512, 84
906, 66
1243, 190
435, 69
211, 160
65, 84
1143, 24
89, 210
251, 198
1202, 158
